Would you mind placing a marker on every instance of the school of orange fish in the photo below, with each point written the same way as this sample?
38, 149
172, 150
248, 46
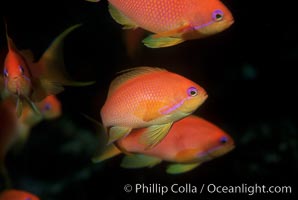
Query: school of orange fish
147, 114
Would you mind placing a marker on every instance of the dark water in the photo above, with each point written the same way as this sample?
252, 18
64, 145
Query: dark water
248, 72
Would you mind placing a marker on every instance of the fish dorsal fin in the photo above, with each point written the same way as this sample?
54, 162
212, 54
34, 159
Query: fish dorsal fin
11, 45
121, 18
129, 74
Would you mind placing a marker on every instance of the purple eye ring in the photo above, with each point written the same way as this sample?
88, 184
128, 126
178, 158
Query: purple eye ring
223, 140
47, 106
5, 72
21, 69
192, 92
217, 15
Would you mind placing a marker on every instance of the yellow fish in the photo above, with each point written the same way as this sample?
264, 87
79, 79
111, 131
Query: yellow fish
149, 97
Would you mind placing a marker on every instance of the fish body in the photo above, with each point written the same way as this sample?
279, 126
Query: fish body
172, 21
31, 81
190, 142
149, 97
13, 194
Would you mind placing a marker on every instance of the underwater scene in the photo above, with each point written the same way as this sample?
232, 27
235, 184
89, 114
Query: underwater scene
148, 99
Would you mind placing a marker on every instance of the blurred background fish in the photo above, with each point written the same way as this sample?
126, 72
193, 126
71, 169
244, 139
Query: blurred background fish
13, 194
190, 142
149, 97
172, 21
49, 107
31, 81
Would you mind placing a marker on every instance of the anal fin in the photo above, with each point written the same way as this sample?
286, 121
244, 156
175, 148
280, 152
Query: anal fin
181, 168
160, 42
139, 161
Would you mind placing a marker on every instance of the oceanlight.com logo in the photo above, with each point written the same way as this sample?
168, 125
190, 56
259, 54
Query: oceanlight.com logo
156, 188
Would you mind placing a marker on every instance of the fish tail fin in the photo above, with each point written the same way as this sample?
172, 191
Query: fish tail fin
54, 52
139, 161
181, 168
52, 62
160, 42
110, 151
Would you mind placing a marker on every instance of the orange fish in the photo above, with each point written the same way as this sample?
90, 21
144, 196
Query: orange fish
13, 194
190, 142
31, 81
50, 108
172, 21
149, 97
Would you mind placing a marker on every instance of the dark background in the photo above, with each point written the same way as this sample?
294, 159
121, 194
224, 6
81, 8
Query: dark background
249, 72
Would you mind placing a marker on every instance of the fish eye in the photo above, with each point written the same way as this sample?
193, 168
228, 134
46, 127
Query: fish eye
223, 140
192, 91
48, 106
217, 15
5, 72
21, 69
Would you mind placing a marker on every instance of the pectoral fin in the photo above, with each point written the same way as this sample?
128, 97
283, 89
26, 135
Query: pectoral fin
121, 18
19, 107
139, 161
32, 105
160, 42
117, 132
181, 168
109, 152
154, 134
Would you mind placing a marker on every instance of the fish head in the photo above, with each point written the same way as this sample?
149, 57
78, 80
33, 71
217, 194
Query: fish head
16, 75
215, 145
213, 19
50, 107
193, 97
